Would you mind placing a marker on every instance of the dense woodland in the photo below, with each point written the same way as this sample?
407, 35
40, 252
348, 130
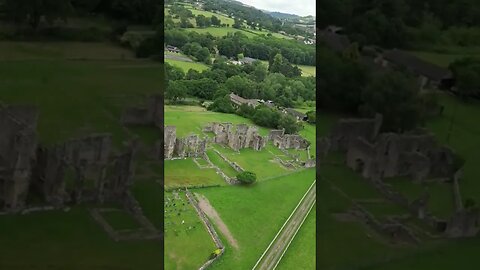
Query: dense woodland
404, 23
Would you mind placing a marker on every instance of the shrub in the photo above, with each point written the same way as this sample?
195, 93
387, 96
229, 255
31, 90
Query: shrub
247, 177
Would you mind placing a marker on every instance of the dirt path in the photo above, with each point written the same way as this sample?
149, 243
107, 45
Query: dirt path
208, 209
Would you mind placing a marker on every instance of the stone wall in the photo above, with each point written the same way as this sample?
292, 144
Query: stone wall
240, 137
190, 146
288, 141
18, 141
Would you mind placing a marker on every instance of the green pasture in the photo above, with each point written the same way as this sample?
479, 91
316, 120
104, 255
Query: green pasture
224, 19
188, 244
444, 56
254, 214
221, 31
308, 70
186, 66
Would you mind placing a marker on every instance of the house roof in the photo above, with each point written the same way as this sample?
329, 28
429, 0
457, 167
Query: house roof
334, 41
417, 65
240, 100
248, 60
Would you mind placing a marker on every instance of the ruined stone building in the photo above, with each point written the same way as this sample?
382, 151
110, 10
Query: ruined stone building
287, 141
190, 146
18, 141
240, 137
152, 114
373, 155
74, 170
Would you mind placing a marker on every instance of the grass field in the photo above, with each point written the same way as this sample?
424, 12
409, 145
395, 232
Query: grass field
308, 70
223, 19
221, 31
191, 119
186, 238
299, 254
223, 165
449, 55
185, 66
255, 214
76, 97
69, 240
184, 173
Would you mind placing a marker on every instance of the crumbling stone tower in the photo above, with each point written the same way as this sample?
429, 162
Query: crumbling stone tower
17, 153
190, 146
243, 136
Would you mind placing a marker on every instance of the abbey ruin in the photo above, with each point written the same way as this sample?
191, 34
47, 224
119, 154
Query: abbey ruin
78, 170
239, 137
190, 146
416, 155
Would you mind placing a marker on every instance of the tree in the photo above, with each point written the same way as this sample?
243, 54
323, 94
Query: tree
222, 104
173, 73
215, 21
311, 117
247, 177
396, 97
467, 76
32, 11
237, 24
289, 123
176, 90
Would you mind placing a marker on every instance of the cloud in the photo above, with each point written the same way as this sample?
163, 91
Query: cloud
298, 7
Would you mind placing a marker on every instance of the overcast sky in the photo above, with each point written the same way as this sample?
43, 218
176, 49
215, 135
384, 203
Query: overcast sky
298, 7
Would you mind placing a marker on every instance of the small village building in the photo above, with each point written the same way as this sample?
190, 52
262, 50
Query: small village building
298, 115
334, 41
428, 74
172, 49
238, 101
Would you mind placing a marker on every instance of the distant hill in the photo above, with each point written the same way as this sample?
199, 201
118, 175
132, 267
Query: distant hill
281, 15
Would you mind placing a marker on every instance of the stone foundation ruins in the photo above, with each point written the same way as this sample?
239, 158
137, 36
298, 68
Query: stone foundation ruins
18, 141
287, 141
75, 171
243, 136
190, 146
416, 155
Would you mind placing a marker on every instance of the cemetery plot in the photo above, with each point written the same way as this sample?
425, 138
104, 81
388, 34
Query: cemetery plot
188, 242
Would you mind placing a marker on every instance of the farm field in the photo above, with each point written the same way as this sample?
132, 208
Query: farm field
185, 66
188, 242
221, 31
449, 55
258, 202
308, 70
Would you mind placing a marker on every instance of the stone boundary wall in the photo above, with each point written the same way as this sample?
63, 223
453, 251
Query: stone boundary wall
231, 181
234, 165
210, 229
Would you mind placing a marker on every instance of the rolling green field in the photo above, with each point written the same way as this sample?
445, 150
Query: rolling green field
308, 70
79, 89
187, 241
220, 31
444, 59
185, 66
299, 254
254, 215
223, 19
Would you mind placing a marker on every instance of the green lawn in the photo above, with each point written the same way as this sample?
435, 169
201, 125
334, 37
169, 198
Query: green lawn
262, 163
254, 214
187, 242
186, 66
185, 173
208, 14
120, 220
191, 119
69, 240
223, 165
148, 194
76, 97
308, 70
299, 254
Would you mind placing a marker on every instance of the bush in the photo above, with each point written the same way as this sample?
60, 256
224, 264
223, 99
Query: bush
247, 177
148, 47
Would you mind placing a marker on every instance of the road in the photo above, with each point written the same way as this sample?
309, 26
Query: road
279, 245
